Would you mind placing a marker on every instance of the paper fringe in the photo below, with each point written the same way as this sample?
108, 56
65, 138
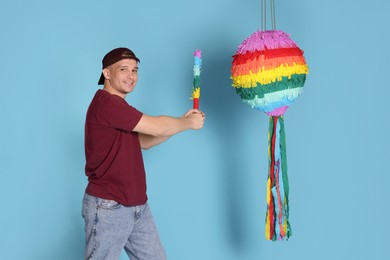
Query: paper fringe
259, 91
274, 100
242, 58
270, 39
264, 76
197, 70
277, 226
196, 93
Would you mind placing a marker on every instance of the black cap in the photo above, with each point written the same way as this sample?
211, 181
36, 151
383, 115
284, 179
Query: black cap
114, 56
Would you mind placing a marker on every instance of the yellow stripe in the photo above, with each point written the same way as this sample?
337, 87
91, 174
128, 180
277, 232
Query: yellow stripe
268, 191
267, 221
196, 93
268, 76
267, 227
268, 197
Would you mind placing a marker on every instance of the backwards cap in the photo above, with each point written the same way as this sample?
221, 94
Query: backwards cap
114, 56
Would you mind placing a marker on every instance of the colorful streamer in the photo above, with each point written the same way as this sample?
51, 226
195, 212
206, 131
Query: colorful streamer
277, 223
268, 72
196, 83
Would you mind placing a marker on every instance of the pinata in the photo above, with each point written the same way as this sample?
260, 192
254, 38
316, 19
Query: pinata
268, 72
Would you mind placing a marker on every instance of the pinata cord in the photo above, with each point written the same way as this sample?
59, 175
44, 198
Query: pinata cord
264, 15
277, 224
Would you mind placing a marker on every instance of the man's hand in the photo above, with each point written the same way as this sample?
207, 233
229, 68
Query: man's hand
197, 118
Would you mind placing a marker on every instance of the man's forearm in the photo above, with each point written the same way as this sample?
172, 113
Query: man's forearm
162, 126
148, 141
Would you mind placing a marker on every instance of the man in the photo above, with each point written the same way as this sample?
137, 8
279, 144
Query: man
115, 208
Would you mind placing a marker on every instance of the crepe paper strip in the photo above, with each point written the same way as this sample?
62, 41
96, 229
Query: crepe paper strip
270, 39
268, 54
285, 83
249, 72
267, 76
260, 64
273, 101
277, 223
196, 83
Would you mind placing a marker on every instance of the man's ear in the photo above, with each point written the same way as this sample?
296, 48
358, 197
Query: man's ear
106, 73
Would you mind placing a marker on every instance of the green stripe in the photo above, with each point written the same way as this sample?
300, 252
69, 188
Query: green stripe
196, 81
284, 175
270, 134
296, 81
284, 156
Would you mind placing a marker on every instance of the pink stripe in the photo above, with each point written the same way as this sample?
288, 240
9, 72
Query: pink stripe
277, 111
198, 53
261, 40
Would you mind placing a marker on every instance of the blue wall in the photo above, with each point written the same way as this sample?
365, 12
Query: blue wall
206, 188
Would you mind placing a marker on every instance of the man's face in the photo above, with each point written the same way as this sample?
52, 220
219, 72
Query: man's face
122, 76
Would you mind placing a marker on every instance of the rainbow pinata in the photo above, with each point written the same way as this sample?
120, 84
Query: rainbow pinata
268, 72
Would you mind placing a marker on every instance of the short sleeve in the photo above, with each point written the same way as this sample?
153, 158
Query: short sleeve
115, 112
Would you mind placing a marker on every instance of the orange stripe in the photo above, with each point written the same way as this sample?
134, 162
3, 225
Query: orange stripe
269, 64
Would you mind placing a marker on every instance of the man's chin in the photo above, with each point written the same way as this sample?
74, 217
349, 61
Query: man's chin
129, 90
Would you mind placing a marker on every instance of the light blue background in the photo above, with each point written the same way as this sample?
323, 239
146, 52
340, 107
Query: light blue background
206, 188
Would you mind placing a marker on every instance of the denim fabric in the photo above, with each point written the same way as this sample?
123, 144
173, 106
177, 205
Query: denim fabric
111, 227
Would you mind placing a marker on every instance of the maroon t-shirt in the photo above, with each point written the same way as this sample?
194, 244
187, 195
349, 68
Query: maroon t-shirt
114, 163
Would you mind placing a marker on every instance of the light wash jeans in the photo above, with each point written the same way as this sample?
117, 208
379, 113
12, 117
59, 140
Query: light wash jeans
111, 227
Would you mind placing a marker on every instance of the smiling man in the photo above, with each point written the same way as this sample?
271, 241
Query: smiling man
115, 208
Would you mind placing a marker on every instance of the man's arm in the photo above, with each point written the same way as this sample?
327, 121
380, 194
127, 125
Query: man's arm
148, 141
154, 130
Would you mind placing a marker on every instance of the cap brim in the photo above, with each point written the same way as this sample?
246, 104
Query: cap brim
101, 80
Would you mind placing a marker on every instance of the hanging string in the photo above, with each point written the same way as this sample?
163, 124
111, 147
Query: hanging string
264, 15
273, 14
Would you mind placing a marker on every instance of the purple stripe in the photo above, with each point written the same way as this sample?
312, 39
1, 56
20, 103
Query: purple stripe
261, 40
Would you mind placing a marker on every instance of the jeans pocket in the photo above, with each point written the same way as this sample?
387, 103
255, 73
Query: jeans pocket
109, 204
